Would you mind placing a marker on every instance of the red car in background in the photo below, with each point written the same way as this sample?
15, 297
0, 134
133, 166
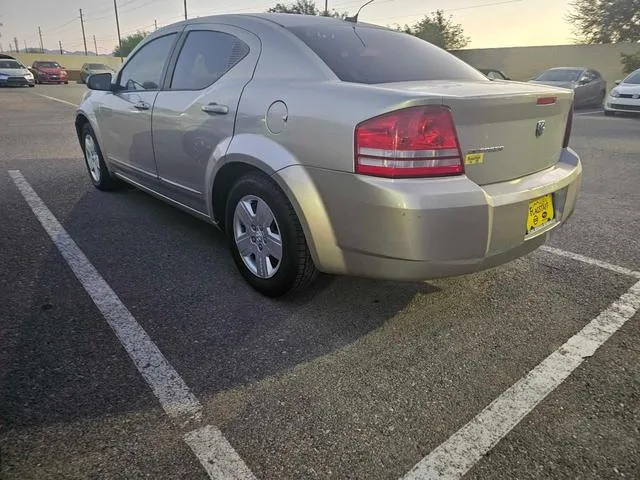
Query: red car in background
49, 72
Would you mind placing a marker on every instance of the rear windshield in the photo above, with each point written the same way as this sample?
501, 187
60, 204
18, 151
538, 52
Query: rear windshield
97, 66
49, 64
372, 55
559, 75
633, 79
10, 64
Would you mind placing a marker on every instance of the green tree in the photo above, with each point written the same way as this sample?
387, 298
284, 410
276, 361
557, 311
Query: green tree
606, 21
440, 30
630, 62
129, 43
304, 7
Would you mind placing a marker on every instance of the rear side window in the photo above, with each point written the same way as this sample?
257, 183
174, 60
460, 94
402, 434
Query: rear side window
373, 55
205, 57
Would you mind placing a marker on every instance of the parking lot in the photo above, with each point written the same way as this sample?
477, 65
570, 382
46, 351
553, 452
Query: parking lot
131, 347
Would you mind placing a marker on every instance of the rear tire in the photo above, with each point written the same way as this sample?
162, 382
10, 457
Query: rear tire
98, 172
258, 217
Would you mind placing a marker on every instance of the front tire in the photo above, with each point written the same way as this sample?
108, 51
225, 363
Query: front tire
98, 172
266, 239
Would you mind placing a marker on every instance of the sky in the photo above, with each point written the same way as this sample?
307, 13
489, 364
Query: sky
489, 23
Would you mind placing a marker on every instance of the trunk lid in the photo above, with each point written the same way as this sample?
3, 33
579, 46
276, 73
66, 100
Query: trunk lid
498, 125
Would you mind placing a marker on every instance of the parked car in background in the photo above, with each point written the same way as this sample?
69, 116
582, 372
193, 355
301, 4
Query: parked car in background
89, 69
625, 97
14, 74
49, 72
316, 146
494, 74
589, 86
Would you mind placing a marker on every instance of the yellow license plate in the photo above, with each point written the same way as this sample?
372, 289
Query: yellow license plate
540, 212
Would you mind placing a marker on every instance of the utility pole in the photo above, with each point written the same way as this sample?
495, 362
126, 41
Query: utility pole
84, 37
41, 44
95, 44
155, 22
326, 8
115, 7
15, 40
60, 44
25, 46
185, 9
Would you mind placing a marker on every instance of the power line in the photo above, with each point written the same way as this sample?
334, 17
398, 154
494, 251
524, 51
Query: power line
470, 7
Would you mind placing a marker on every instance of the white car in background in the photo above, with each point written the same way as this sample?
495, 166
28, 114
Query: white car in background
625, 97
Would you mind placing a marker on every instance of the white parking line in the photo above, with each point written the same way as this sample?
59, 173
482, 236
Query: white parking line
591, 261
217, 456
215, 453
457, 455
173, 394
57, 99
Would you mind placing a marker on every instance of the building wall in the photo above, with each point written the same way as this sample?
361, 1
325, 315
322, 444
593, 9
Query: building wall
70, 62
523, 63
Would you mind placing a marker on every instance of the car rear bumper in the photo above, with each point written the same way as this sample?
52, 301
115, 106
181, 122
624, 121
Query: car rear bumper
629, 105
416, 229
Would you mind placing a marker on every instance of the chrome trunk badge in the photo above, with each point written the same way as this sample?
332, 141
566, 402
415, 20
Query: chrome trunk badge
540, 126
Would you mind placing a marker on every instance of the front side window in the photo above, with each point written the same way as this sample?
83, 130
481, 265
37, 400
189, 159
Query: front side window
144, 70
205, 57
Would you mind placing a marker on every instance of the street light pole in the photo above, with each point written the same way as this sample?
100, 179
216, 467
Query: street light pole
41, 44
84, 37
185, 9
115, 7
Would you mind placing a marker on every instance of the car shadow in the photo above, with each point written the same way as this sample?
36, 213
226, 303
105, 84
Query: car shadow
175, 275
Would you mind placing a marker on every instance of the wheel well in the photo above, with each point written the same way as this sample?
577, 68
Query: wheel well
224, 181
81, 121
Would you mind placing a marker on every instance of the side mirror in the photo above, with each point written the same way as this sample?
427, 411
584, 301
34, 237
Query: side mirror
618, 82
584, 81
100, 81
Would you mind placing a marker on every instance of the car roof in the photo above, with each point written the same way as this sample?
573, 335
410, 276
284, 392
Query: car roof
286, 20
4, 56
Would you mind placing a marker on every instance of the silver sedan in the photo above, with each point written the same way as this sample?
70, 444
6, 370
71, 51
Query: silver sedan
323, 145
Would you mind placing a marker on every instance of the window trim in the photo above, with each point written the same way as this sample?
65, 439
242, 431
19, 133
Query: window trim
178, 51
163, 73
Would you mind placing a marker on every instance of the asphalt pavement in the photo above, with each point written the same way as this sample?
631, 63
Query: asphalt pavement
354, 379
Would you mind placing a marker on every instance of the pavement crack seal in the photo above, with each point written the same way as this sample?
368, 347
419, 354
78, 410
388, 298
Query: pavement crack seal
457, 455
215, 453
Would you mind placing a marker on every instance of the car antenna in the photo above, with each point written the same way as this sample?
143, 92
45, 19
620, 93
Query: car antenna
354, 19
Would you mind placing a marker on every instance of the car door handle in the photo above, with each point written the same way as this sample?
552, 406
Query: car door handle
215, 108
142, 105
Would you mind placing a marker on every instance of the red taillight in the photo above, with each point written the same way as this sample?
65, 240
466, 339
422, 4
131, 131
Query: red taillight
412, 142
567, 131
547, 100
